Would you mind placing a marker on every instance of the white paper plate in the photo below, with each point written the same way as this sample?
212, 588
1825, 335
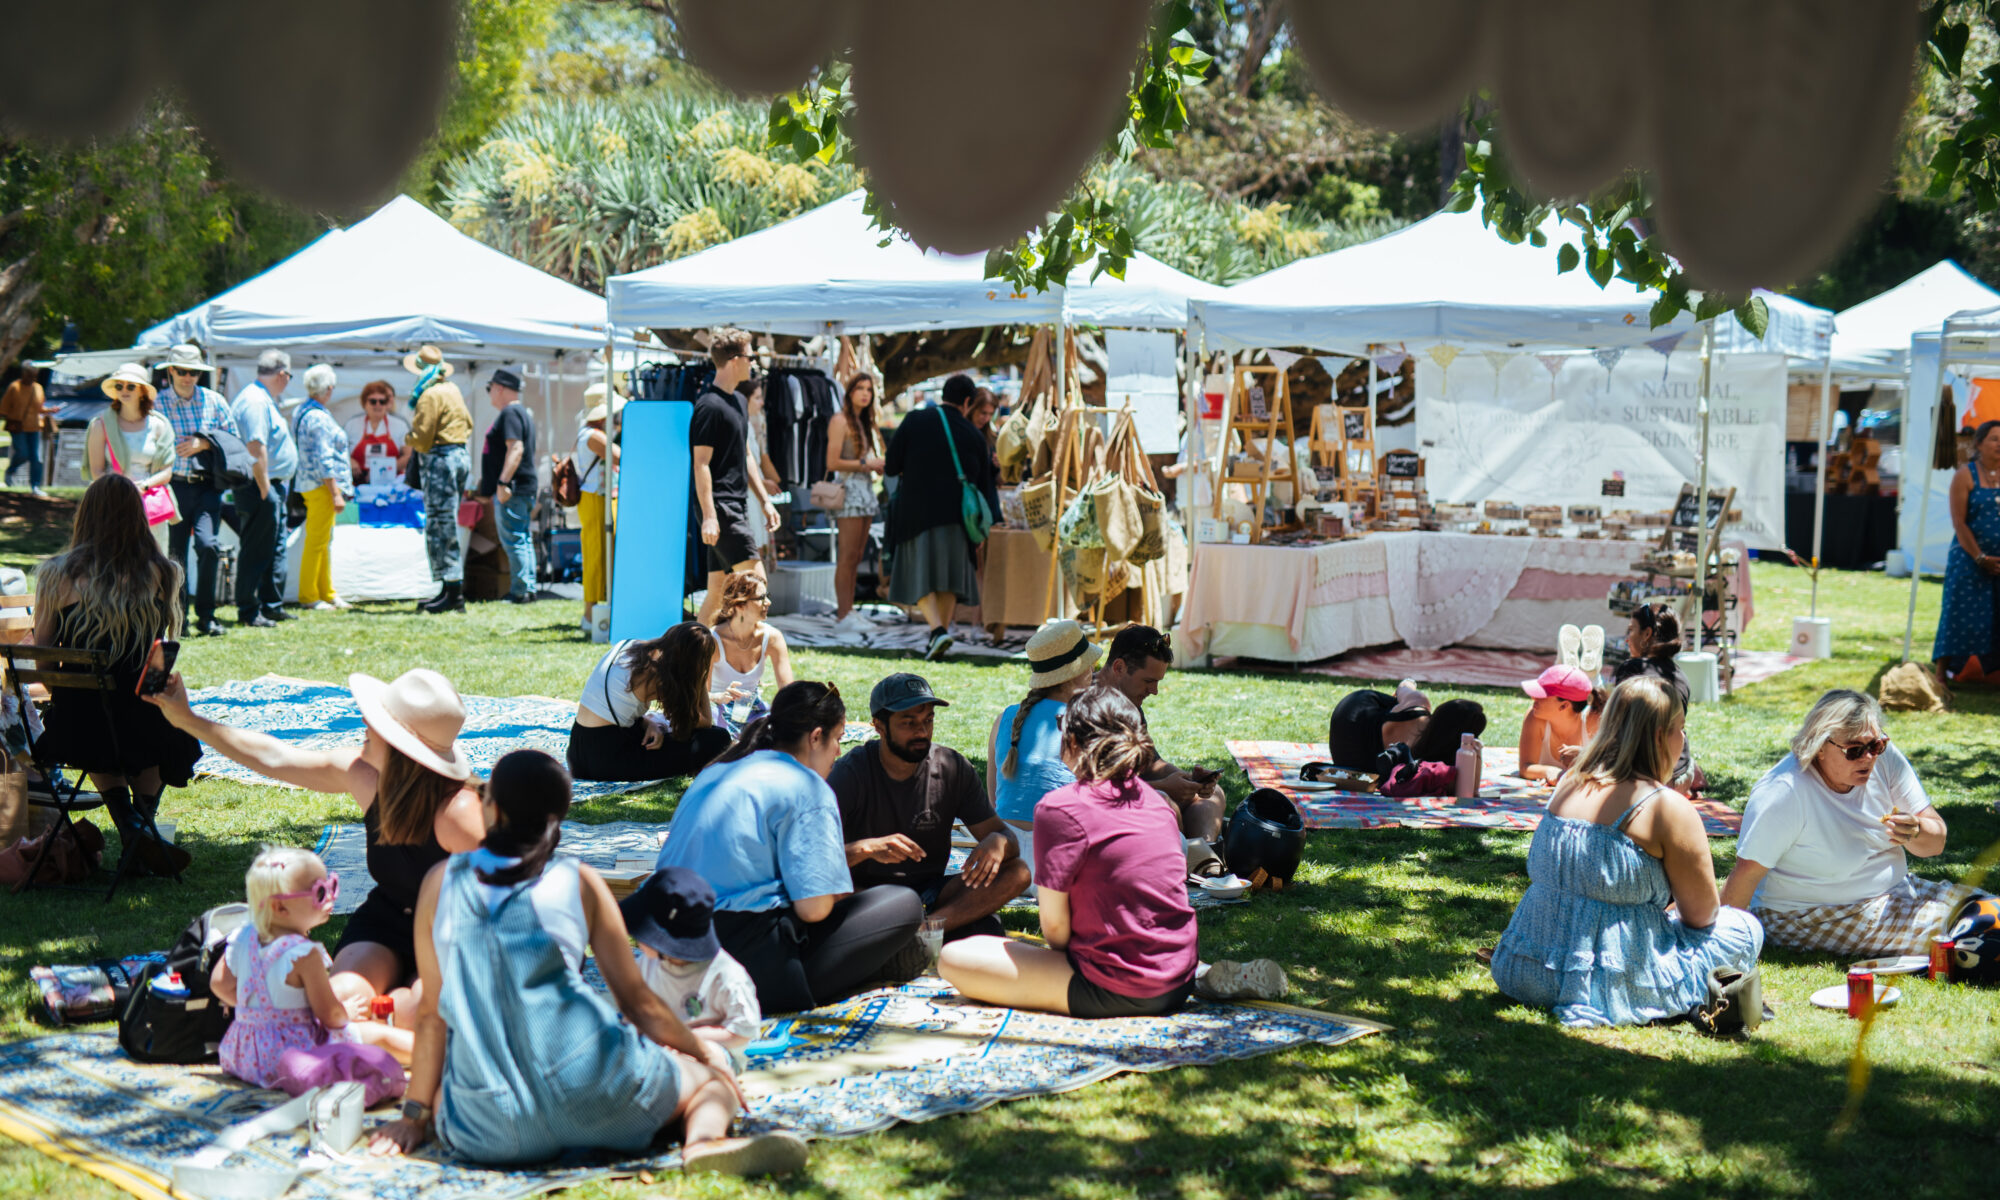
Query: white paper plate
1904, 964
1835, 997
1299, 785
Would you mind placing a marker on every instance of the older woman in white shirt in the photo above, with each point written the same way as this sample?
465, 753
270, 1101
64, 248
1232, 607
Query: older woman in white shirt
1822, 856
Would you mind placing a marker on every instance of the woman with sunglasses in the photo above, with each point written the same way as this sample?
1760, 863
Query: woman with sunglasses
378, 434
278, 979
1822, 856
745, 642
143, 448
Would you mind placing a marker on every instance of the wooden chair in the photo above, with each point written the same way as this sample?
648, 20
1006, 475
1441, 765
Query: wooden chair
30, 668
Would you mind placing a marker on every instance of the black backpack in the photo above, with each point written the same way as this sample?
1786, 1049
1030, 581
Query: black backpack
161, 1027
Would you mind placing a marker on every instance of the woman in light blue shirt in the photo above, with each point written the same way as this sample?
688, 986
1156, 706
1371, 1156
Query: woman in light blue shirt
762, 826
1024, 750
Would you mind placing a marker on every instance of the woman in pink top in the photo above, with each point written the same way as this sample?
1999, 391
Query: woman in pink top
1111, 872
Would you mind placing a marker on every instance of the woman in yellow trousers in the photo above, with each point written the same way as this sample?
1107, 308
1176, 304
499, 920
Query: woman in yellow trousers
325, 480
593, 445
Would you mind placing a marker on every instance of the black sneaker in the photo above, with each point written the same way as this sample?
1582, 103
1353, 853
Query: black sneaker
279, 614
259, 621
212, 628
940, 644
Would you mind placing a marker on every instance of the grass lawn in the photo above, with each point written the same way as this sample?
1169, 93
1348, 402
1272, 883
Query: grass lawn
1468, 1094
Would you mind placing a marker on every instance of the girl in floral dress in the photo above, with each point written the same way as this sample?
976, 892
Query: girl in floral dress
276, 975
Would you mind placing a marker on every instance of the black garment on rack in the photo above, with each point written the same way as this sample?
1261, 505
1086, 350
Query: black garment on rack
798, 403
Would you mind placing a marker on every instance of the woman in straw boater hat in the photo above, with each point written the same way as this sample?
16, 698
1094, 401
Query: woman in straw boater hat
143, 448
595, 443
440, 427
418, 806
1024, 748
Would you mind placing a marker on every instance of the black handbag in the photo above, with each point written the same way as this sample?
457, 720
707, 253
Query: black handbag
183, 1025
1735, 1003
413, 475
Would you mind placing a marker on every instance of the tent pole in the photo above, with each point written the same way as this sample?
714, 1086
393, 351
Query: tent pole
1920, 468
610, 460
1819, 493
1702, 548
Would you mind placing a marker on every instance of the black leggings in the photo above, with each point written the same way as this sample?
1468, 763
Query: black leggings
617, 753
798, 965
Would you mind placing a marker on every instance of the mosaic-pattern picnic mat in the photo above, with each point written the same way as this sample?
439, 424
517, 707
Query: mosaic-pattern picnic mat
914, 1053
1505, 801
345, 850
322, 716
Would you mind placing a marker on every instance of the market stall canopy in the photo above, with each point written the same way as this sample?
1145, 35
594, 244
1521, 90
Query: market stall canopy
399, 278
1801, 332
829, 266
1971, 356
1872, 339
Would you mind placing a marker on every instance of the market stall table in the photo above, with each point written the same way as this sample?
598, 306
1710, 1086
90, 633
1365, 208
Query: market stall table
1423, 590
1015, 590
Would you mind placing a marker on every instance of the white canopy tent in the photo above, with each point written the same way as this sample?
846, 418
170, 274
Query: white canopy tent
1963, 340
1871, 340
828, 270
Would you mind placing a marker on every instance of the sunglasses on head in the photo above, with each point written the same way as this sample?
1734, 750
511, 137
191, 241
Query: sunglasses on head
1856, 751
324, 891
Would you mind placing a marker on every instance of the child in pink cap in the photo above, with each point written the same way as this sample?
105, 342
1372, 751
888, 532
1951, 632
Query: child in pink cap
1561, 719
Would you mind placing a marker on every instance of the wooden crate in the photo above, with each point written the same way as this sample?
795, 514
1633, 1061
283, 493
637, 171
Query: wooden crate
1802, 412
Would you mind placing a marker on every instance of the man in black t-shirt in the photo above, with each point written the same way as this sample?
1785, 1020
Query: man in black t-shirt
507, 478
723, 478
900, 795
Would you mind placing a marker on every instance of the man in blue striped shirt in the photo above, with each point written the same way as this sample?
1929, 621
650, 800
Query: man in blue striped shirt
260, 506
195, 410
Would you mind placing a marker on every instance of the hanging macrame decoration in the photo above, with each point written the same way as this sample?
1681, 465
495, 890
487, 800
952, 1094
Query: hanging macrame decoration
1553, 364
1443, 355
1608, 359
1498, 360
1665, 347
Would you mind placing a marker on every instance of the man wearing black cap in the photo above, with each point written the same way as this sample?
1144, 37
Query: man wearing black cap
899, 796
507, 478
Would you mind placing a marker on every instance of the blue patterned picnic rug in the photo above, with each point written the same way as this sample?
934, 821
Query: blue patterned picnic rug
322, 716
913, 1053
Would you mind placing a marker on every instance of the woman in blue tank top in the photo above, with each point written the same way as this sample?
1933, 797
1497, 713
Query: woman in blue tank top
1024, 749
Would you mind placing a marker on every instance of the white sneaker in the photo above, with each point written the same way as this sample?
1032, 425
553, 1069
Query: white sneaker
340, 604
1258, 979
854, 622
325, 606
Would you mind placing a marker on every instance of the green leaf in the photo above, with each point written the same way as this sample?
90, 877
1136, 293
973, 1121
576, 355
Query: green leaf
1566, 259
1665, 309
805, 143
1944, 170
1712, 304
1754, 315
1948, 44
1599, 264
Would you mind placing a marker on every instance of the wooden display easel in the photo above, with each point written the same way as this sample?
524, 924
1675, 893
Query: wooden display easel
1680, 535
1070, 468
1239, 418
1359, 463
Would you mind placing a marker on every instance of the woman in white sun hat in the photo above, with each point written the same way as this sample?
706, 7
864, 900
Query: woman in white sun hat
1024, 748
142, 449
418, 805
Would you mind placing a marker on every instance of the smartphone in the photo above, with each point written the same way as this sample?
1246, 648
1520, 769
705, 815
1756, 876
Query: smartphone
159, 665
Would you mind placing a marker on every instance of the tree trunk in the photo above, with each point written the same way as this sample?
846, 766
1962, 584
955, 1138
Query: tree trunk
18, 291
1260, 30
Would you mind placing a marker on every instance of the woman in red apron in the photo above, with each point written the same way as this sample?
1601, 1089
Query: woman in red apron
377, 431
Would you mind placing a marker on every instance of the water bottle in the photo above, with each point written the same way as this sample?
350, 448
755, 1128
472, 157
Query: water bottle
169, 984
1467, 767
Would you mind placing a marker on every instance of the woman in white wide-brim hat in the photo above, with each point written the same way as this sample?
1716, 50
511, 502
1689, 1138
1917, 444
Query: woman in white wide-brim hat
417, 804
596, 442
142, 449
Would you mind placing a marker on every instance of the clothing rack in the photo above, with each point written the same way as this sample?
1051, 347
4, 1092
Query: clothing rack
797, 362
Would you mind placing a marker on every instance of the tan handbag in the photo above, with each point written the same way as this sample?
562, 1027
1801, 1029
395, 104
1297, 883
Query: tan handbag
828, 495
1038, 505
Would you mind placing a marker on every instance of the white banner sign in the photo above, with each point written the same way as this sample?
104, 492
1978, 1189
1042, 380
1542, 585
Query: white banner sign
1144, 374
1531, 431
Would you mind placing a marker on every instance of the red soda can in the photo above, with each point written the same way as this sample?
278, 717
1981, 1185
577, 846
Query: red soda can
1860, 993
1941, 958
382, 1008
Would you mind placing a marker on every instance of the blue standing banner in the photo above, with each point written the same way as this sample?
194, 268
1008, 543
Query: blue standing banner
649, 559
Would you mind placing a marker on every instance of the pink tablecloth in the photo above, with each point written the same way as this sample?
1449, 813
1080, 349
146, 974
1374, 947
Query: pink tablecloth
1425, 590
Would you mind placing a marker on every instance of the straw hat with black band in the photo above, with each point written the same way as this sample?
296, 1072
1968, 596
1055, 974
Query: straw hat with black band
420, 714
1059, 652
129, 373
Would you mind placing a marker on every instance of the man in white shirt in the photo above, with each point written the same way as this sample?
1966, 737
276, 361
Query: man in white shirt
260, 506
1821, 860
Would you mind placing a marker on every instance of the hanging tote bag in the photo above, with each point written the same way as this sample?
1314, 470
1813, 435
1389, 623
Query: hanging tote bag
973, 510
1038, 505
157, 500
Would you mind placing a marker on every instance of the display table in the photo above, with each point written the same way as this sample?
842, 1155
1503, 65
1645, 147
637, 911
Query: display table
1860, 530
1423, 590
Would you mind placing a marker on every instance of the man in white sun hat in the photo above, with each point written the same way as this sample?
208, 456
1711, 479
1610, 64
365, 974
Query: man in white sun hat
196, 410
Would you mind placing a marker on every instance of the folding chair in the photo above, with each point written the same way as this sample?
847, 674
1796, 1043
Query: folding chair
80, 670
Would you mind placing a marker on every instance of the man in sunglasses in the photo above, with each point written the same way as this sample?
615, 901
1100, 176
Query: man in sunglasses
1822, 859
723, 481
195, 411
1139, 659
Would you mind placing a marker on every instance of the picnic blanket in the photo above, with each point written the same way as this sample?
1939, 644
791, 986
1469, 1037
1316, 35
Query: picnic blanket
322, 716
344, 849
1505, 801
913, 1053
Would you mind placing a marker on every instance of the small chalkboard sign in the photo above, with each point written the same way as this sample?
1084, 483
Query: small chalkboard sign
1354, 425
1683, 517
1327, 477
1612, 487
1260, 409
1402, 464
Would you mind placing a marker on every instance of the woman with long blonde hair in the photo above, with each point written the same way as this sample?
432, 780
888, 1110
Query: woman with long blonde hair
854, 459
113, 589
1592, 937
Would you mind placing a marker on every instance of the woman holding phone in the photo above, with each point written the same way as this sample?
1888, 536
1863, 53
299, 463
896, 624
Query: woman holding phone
113, 588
